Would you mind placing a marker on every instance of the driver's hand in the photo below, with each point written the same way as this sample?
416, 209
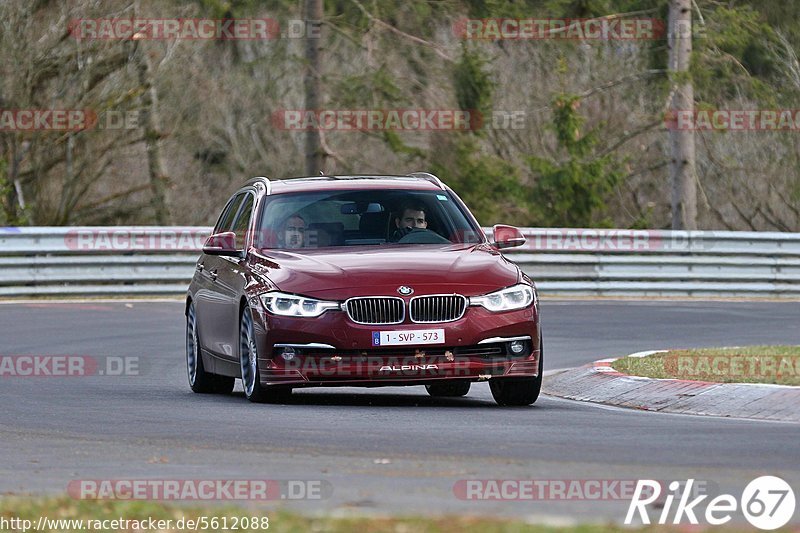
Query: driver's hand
401, 232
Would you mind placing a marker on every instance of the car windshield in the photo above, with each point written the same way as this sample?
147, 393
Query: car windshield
363, 218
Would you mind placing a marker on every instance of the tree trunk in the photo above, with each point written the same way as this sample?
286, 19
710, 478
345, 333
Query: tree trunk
313, 84
151, 122
682, 160
15, 213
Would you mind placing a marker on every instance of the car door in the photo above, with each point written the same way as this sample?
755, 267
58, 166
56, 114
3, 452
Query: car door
208, 298
231, 280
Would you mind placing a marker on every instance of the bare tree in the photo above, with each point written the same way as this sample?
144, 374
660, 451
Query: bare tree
682, 152
156, 170
45, 68
313, 84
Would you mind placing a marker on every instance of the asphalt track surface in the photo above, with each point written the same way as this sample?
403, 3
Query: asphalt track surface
383, 451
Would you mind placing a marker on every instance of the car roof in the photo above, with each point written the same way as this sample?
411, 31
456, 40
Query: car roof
417, 181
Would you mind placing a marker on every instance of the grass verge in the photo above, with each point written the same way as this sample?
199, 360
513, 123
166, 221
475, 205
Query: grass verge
280, 521
749, 364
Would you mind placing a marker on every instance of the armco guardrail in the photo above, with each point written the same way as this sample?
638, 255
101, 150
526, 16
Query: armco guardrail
147, 260
662, 263
98, 261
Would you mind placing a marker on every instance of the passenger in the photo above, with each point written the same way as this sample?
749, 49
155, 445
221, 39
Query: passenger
293, 233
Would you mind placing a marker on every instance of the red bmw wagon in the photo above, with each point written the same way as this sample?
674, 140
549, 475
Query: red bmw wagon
360, 281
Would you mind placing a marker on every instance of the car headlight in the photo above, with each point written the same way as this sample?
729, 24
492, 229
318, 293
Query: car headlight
516, 297
280, 303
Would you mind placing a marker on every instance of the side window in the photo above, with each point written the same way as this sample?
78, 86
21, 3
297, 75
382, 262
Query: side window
225, 222
242, 223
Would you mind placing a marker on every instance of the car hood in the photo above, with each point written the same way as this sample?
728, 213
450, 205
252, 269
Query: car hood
343, 272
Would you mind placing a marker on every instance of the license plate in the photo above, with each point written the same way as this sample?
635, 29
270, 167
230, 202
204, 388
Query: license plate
407, 337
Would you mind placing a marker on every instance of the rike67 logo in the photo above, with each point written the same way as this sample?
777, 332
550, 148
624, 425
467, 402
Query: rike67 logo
767, 503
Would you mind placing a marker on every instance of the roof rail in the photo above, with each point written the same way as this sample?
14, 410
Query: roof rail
263, 180
430, 177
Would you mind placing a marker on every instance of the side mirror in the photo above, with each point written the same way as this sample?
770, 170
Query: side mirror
222, 244
507, 236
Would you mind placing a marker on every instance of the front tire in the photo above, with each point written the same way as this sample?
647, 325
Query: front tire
248, 361
519, 391
201, 381
450, 389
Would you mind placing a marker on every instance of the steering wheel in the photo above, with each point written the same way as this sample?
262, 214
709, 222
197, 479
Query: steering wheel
422, 236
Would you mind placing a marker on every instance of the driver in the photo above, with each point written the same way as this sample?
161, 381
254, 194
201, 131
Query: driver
412, 216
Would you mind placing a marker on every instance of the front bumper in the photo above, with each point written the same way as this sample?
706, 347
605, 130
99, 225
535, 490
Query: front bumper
332, 350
